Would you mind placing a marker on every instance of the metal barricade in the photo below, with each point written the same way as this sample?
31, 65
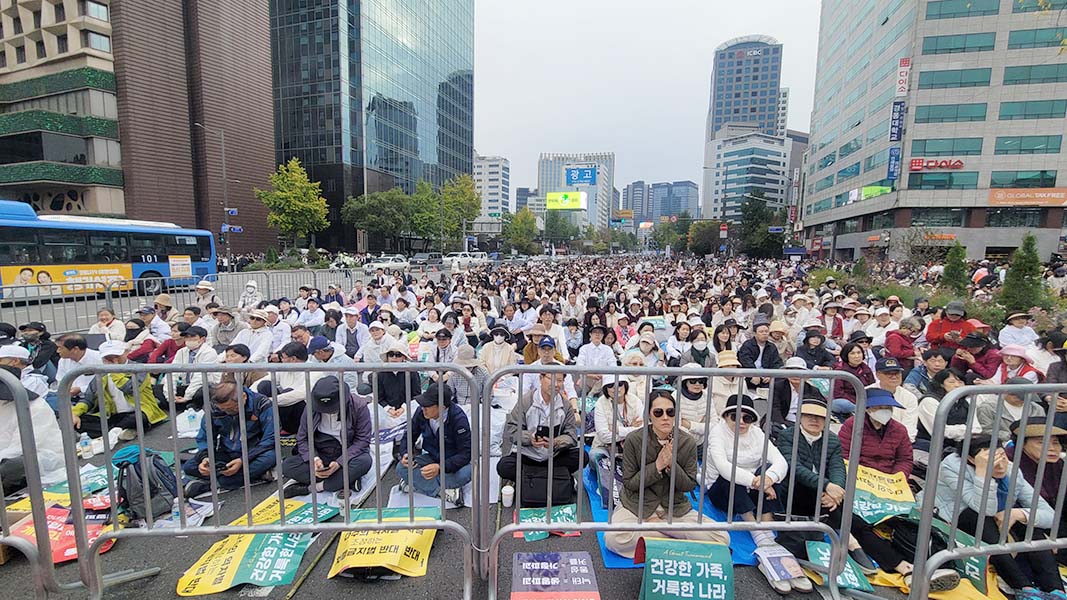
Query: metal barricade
63, 308
995, 538
761, 520
89, 553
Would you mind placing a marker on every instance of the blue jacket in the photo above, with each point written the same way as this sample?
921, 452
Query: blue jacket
457, 439
259, 424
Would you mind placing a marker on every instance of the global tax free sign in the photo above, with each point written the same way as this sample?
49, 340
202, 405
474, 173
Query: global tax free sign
920, 164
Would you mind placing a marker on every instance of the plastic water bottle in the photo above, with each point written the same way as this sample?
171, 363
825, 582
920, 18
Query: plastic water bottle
175, 512
190, 419
85, 446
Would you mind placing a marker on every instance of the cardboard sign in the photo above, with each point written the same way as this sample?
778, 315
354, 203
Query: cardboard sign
553, 575
266, 559
880, 496
851, 578
404, 551
61, 533
684, 569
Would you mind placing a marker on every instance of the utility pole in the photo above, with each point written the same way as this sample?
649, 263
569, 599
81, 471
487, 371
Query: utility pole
225, 191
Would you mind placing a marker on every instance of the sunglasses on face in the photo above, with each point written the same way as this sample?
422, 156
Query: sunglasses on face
745, 417
658, 412
394, 355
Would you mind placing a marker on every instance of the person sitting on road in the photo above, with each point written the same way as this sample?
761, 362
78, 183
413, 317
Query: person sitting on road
114, 394
106, 324
430, 422
352, 333
499, 352
46, 434
291, 387
628, 412
666, 457
313, 317
44, 356
17, 357
227, 400
395, 389
1012, 409
250, 298
225, 333
322, 351
205, 294
187, 388
462, 392
956, 426
321, 447
74, 352
164, 353
165, 310
976, 358
531, 351
373, 349
1031, 440
934, 361
258, 337
281, 331
890, 374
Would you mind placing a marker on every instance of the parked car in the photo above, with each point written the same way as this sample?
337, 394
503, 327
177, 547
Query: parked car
387, 262
458, 260
427, 260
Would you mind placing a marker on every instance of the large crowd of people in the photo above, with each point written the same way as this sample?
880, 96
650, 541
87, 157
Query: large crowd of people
667, 435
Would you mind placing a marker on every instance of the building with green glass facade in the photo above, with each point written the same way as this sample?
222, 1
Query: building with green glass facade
937, 121
400, 71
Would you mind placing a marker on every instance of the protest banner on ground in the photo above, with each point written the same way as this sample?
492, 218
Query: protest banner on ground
61, 532
553, 575
404, 551
684, 569
880, 496
565, 513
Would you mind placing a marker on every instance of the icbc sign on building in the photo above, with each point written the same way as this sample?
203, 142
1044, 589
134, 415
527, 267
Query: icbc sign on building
919, 164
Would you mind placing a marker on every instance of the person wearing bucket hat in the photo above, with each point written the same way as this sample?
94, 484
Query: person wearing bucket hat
664, 468
499, 352
257, 337
436, 417
1017, 331
951, 328
467, 358
165, 309
1031, 439
1016, 362
976, 357
226, 328
327, 431
978, 489
205, 294
228, 445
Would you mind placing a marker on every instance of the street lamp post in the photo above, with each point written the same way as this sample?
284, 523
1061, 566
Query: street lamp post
225, 189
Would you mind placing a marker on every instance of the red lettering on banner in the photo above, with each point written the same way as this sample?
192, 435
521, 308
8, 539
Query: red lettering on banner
918, 164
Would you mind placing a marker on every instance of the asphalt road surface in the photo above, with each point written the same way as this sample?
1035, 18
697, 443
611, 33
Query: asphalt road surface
442, 581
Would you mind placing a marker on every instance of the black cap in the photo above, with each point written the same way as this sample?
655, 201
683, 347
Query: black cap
973, 340
429, 397
8, 333
747, 405
195, 331
858, 336
602, 329
37, 325
443, 334
326, 395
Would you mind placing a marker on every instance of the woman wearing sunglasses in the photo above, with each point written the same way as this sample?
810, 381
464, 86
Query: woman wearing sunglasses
666, 449
753, 476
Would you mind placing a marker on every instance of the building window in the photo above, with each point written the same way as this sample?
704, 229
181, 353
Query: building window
3, 58
1015, 217
96, 41
1020, 6
950, 113
1023, 179
96, 10
18, 25
827, 160
932, 80
955, 180
883, 220
1028, 144
848, 172
951, 9
1051, 37
947, 147
60, 12
20, 54
850, 147
41, 53
824, 183
937, 217
36, 19
875, 160
1033, 109
1055, 73
964, 42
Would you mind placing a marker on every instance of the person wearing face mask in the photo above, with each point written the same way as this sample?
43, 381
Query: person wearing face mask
977, 487
250, 298
46, 434
654, 456
227, 400
499, 353
43, 354
698, 352
187, 388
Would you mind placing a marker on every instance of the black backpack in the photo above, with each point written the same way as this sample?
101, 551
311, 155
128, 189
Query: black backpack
162, 484
535, 482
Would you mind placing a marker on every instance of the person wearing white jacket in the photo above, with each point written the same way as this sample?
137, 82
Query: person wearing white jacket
628, 410
292, 387
46, 434
188, 387
258, 337
693, 403
107, 324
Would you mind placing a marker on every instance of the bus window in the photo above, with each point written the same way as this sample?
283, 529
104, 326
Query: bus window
183, 245
18, 246
60, 247
205, 247
147, 248
108, 248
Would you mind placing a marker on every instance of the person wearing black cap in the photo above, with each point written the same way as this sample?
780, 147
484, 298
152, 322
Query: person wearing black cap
595, 355
49, 440
443, 351
227, 401
187, 387
437, 416
43, 354
977, 498
8, 334
328, 434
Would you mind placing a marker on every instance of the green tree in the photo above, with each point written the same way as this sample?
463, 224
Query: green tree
756, 241
859, 268
520, 232
423, 209
955, 279
558, 228
666, 234
295, 206
271, 256
703, 237
1023, 288
381, 213
461, 204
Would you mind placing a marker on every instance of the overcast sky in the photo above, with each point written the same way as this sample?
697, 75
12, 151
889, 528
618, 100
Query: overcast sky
625, 76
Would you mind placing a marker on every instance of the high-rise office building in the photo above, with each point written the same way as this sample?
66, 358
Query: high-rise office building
99, 101
492, 181
798, 148
673, 198
635, 198
336, 74
745, 91
552, 174
745, 162
522, 197
937, 122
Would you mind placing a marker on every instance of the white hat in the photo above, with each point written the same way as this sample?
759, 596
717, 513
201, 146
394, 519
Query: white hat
15, 351
881, 311
350, 311
796, 363
205, 285
112, 348
377, 324
271, 308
